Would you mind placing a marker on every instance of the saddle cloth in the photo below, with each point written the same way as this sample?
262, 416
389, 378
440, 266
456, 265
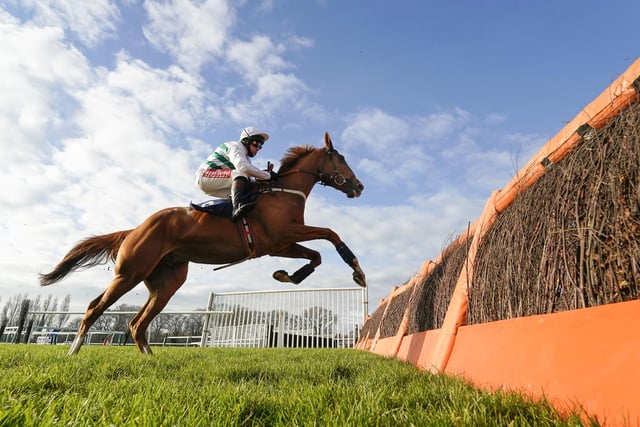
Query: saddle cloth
218, 207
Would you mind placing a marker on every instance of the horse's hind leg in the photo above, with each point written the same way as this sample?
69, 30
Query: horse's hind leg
162, 283
298, 251
302, 233
118, 287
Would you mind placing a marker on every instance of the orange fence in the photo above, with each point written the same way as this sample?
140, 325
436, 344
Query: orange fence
583, 358
579, 358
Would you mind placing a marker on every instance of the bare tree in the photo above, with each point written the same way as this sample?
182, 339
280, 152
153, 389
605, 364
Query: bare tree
122, 320
63, 317
173, 325
157, 328
36, 305
46, 306
105, 322
11, 308
74, 323
193, 324
319, 321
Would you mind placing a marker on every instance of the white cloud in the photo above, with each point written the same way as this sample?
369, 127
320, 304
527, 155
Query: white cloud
192, 32
495, 118
199, 33
121, 135
277, 89
273, 93
256, 57
446, 149
91, 21
440, 126
376, 130
171, 98
296, 42
39, 78
389, 149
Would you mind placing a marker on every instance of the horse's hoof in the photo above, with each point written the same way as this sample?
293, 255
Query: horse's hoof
359, 279
281, 276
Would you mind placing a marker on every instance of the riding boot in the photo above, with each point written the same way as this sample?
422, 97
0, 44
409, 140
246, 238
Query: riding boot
241, 198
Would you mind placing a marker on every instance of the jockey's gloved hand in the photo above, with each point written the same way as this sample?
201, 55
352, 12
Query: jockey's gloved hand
273, 174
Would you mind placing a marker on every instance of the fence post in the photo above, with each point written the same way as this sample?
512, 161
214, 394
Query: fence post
280, 329
365, 304
205, 324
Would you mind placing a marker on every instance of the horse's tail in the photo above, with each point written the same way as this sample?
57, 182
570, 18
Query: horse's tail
85, 254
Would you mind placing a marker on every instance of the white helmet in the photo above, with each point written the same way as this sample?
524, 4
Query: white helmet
250, 131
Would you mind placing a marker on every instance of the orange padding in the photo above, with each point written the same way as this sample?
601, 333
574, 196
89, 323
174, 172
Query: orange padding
588, 357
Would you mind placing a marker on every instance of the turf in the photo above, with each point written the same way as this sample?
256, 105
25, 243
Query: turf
41, 385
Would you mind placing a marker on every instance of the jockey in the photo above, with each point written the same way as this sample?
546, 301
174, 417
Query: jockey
227, 170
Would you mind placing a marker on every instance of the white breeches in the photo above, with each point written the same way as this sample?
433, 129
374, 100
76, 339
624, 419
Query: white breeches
216, 182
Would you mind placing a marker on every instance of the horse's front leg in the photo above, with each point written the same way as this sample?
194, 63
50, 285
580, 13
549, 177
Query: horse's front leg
300, 233
352, 261
298, 251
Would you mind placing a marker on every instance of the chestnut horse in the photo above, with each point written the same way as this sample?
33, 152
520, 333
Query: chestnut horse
159, 250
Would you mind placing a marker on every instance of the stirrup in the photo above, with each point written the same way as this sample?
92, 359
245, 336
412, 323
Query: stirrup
241, 210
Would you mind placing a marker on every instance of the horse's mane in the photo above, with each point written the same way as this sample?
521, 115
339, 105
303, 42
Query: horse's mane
293, 155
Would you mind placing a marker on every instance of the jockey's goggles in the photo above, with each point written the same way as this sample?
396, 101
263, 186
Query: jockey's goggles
256, 141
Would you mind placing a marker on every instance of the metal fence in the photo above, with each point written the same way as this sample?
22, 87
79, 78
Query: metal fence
313, 318
27, 333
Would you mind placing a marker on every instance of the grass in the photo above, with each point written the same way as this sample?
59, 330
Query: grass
41, 385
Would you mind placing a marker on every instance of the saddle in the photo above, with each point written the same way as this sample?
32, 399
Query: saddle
224, 207
217, 207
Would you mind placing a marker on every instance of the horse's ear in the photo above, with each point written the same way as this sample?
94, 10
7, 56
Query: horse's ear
327, 141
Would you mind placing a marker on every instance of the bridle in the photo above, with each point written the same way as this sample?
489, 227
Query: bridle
336, 179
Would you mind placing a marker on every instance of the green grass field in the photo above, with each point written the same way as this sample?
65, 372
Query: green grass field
41, 385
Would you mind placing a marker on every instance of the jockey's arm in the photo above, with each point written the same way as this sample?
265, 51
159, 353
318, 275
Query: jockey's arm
243, 165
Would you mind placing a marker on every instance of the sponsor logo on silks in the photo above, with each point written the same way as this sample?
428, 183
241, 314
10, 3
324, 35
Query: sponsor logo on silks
217, 173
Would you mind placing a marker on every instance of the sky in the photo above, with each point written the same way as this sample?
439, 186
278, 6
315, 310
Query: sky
108, 107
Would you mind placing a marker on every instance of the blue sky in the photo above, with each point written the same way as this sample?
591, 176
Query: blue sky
108, 107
